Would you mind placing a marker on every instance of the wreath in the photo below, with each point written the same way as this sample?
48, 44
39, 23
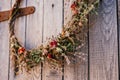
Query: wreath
57, 50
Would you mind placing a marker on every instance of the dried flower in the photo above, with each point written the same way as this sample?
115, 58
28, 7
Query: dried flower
12, 45
25, 53
80, 24
45, 51
73, 6
63, 33
75, 12
49, 56
21, 50
53, 44
59, 49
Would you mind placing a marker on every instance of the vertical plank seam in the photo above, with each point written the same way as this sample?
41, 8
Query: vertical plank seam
88, 50
9, 51
43, 22
25, 27
62, 26
42, 38
118, 25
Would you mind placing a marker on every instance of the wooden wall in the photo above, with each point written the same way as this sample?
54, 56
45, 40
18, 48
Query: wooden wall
102, 47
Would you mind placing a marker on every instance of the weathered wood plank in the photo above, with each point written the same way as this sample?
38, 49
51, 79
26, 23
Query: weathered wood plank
52, 26
34, 27
20, 33
103, 45
79, 70
69, 70
118, 5
4, 43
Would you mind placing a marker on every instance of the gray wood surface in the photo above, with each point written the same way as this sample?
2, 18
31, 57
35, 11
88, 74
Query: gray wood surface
52, 26
78, 70
20, 33
34, 34
118, 7
103, 44
4, 43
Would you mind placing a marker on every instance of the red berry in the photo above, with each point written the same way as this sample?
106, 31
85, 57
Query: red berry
53, 43
21, 50
49, 56
73, 6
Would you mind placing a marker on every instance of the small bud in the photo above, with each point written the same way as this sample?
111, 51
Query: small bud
80, 24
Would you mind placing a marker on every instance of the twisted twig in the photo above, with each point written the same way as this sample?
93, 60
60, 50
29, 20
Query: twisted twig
13, 16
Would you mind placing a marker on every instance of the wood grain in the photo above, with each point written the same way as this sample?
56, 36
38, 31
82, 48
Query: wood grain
118, 7
34, 34
103, 45
69, 70
20, 33
78, 70
53, 17
4, 43
47, 21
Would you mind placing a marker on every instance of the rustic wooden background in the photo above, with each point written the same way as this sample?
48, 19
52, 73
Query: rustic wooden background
102, 45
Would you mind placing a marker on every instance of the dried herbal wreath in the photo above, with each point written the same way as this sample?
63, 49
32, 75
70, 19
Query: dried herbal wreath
58, 49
